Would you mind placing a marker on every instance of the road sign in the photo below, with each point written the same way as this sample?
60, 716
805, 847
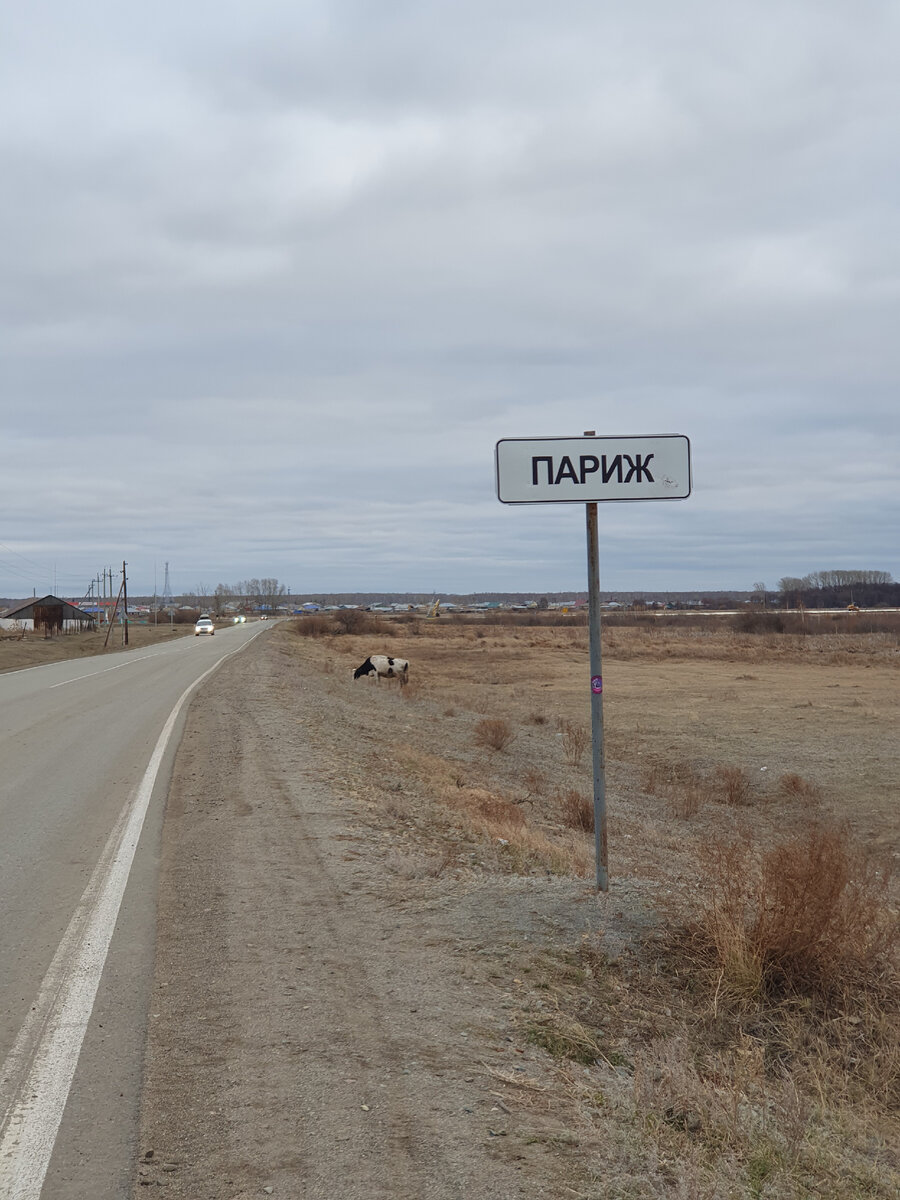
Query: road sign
589, 469
584, 471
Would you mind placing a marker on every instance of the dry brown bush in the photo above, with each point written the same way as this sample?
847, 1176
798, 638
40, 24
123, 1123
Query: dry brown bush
311, 627
526, 850
732, 786
516, 846
533, 781
343, 622
497, 810
687, 788
494, 733
358, 621
685, 801
575, 740
795, 787
809, 913
577, 810
661, 774
683, 786
184, 616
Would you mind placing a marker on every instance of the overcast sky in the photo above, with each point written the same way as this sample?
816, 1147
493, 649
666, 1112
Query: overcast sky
277, 276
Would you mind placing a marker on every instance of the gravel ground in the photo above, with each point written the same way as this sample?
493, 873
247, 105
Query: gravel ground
332, 1012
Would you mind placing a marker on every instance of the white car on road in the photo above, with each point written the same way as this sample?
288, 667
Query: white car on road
204, 625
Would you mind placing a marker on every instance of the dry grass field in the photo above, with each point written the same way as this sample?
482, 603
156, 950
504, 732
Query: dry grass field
740, 1033
19, 651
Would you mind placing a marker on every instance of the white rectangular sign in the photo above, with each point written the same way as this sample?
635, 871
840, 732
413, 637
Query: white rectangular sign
588, 469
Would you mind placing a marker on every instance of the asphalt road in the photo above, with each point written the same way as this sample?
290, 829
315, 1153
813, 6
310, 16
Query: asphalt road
86, 749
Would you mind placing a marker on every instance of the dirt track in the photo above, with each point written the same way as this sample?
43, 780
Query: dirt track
309, 1032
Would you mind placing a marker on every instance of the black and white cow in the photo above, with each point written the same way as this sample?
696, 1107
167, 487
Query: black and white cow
382, 666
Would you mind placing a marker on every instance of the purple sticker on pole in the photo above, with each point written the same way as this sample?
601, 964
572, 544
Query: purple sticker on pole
597, 684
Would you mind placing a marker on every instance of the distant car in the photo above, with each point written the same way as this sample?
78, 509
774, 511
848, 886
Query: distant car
204, 625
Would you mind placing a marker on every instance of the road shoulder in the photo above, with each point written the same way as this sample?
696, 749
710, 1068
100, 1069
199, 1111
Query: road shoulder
321, 1021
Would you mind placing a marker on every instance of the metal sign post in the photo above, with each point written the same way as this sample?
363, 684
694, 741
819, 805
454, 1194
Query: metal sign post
597, 744
589, 470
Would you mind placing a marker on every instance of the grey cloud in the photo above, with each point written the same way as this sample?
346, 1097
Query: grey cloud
281, 281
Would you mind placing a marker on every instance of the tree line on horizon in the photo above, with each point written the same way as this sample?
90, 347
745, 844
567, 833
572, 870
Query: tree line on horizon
836, 589
818, 589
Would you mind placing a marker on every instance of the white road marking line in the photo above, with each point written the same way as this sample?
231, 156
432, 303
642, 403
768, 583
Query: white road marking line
167, 648
105, 671
37, 1075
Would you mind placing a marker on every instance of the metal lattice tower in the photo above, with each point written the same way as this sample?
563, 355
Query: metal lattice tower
167, 592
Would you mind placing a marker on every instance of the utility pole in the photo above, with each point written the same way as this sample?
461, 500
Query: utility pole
167, 602
125, 601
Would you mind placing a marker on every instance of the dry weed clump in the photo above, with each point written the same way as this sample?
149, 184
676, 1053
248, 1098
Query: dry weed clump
357, 621
795, 787
311, 627
685, 801
660, 774
680, 783
577, 810
693, 1106
533, 781
499, 812
733, 786
798, 946
343, 622
669, 1084
528, 851
725, 1101
562, 1036
575, 740
809, 914
516, 846
494, 733
489, 813
687, 788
